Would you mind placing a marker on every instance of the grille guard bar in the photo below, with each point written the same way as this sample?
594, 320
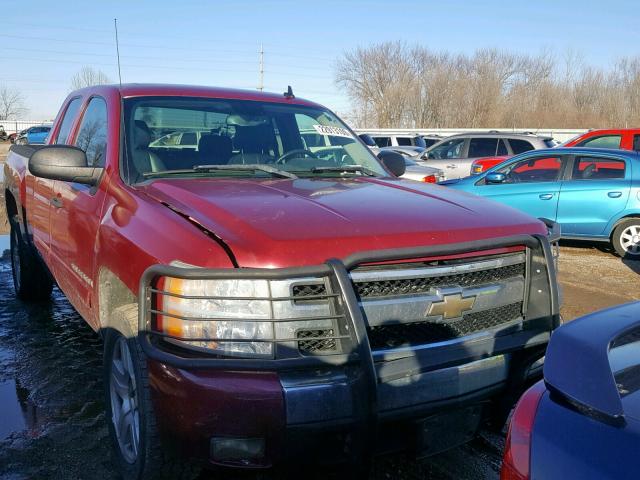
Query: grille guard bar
337, 271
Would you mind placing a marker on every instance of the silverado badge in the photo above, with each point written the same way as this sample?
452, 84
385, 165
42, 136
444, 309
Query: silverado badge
451, 306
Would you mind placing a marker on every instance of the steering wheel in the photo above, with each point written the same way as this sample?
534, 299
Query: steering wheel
285, 157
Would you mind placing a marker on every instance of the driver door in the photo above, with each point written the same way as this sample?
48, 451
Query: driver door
450, 157
532, 185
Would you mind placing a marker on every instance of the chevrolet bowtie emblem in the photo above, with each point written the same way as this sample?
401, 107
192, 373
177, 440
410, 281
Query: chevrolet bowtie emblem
451, 306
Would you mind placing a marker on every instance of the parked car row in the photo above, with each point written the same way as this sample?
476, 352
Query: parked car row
624, 139
36, 135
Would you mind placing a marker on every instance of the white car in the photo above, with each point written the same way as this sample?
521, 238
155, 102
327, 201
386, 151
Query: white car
414, 170
420, 172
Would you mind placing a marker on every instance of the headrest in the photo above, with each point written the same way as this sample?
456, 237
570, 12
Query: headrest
254, 139
217, 148
214, 142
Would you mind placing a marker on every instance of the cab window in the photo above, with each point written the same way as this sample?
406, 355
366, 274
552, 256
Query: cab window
595, 168
92, 135
67, 121
537, 169
603, 141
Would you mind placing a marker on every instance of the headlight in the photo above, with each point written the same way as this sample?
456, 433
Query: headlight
222, 304
242, 318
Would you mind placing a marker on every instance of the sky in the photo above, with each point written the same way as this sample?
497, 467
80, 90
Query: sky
44, 43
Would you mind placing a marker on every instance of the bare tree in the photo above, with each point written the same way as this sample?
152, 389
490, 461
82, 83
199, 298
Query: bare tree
12, 103
394, 85
87, 77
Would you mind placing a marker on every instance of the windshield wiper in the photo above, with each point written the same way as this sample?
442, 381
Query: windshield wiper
346, 169
254, 167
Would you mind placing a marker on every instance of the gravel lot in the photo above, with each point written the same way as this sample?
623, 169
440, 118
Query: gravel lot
52, 423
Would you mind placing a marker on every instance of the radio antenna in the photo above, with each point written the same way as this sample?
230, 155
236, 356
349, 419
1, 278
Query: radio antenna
115, 25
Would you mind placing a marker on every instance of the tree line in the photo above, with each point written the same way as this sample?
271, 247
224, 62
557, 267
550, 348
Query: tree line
395, 85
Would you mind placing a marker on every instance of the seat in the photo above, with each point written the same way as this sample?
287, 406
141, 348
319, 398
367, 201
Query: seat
256, 144
143, 159
214, 149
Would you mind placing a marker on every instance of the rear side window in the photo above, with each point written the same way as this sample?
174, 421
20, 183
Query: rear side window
382, 141
404, 141
502, 148
67, 121
636, 143
596, 168
482, 147
188, 138
520, 146
92, 135
603, 141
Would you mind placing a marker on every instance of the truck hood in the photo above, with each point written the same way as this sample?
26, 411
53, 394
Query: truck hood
283, 223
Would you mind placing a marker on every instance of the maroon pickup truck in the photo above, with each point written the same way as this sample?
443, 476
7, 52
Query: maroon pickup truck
268, 298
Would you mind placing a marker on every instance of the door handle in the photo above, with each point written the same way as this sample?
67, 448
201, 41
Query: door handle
614, 194
56, 202
451, 165
546, 196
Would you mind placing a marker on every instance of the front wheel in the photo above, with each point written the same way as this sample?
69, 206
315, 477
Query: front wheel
626, 239
133, 431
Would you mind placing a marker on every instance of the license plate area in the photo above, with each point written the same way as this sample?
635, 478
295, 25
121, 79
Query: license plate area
447, 430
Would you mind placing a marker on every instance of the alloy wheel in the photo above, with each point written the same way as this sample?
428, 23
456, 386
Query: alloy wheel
124, 401
630, 239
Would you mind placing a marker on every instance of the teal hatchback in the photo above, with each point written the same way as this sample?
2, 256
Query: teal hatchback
594, 194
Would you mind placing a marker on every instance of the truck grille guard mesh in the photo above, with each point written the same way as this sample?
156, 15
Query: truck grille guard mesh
314, 346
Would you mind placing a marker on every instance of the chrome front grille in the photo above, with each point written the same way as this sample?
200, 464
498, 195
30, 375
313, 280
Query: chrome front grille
416, 304
411, 286
419, 333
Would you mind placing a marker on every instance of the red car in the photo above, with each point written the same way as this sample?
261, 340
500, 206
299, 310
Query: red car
264, 301
620, 138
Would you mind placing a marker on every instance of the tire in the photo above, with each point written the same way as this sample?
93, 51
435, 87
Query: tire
31, 280
146, 460
626, 239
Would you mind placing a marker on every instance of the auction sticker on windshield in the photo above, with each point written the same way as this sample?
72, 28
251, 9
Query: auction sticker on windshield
333, 131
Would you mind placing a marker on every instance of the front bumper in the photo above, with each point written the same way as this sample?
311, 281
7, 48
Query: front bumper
353, 403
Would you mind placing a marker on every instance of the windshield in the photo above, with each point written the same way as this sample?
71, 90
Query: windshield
177, 136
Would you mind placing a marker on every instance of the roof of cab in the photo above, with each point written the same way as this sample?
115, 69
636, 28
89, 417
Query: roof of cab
128, 90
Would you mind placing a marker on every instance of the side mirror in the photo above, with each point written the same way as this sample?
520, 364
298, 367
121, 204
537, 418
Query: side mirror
62, 162
393, 161
495, 177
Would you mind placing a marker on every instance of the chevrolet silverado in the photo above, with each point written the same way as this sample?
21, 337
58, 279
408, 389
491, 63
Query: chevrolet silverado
264, 302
